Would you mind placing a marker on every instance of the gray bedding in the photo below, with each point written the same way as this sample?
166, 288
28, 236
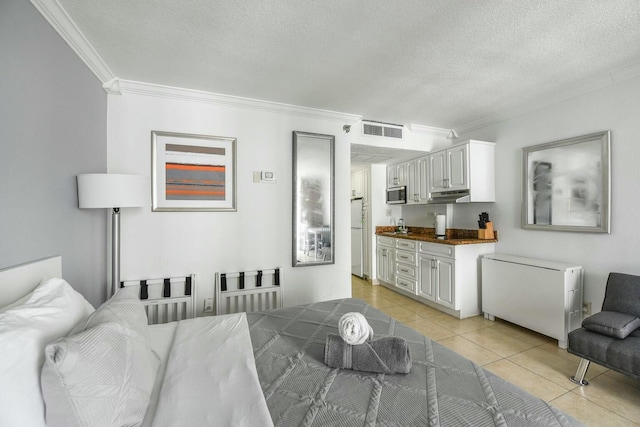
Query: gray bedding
442, 389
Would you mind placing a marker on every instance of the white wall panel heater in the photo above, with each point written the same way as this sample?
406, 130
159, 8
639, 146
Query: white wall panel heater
543, 296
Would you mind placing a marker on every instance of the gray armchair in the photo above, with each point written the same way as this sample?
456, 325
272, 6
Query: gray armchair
611, 338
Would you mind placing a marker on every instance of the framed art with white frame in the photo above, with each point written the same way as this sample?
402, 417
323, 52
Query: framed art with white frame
193, 172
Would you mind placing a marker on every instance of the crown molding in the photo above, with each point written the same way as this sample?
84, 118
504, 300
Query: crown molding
191, 95
572, 91
428, 130
70, 33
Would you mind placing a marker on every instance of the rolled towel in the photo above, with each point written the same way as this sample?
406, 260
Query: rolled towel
354, 328
387, 355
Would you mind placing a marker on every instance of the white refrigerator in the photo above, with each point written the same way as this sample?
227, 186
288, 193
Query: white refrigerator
356, 238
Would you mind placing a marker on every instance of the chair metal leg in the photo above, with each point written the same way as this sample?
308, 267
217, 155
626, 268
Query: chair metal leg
578, 378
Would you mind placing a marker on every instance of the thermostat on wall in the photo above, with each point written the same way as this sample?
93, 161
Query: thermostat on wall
264, 176
268, 176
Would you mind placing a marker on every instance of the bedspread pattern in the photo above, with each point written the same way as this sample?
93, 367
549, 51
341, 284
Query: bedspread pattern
443, 388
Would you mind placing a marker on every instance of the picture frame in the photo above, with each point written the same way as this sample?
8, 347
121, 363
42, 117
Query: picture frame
193, 172
567, 184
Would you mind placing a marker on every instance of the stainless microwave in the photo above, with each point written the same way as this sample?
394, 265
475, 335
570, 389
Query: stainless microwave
397, 195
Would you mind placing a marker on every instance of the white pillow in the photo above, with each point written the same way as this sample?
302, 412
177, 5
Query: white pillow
17, 303
50, 312
103, 376
123, 307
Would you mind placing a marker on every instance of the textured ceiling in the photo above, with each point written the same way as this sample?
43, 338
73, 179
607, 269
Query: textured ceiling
440, 63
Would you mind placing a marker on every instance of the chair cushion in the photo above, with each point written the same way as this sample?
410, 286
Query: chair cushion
611, 323
620, 355
622, 294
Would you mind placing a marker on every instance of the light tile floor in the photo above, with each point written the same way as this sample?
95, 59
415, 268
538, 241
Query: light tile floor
530, 360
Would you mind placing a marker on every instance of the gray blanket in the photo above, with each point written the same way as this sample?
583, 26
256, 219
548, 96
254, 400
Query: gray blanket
442, 389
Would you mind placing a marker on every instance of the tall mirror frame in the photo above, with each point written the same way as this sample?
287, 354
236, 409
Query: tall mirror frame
313, 199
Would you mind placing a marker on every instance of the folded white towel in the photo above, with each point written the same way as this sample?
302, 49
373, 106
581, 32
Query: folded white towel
354, 328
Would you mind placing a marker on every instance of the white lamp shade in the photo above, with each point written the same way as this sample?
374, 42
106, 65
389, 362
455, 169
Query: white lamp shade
110, 190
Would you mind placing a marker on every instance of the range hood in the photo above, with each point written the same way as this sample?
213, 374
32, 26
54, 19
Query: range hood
457, 196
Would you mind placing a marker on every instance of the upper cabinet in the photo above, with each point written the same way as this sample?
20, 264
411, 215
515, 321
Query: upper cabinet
397, 174
417, 181
466, 169
450, 169
357, 183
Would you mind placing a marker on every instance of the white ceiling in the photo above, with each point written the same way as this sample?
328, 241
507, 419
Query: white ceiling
440, 63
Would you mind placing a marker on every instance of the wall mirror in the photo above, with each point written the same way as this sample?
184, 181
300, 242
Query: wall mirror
313, 199
566, 184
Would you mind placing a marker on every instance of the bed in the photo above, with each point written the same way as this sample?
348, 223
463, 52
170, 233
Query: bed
254, 369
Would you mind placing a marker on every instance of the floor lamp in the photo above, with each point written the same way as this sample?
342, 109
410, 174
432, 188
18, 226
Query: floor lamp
115, 191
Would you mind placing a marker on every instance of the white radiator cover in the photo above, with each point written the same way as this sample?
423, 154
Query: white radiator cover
544, 296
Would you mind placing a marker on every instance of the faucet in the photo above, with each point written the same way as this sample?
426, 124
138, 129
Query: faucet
401, 227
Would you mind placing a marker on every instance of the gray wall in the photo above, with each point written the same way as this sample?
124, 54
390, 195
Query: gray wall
53, 114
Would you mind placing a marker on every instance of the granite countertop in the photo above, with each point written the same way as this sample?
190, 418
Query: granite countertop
454, 236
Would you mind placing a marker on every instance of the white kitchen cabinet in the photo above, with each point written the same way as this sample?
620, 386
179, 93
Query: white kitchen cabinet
397, 174
357, 183
443, 276
467, 166
418, 181
412, 173
448, 276
406, 265
458, 167
437, 279
438, 171
450, 169
437, 273
385, 259
422, 179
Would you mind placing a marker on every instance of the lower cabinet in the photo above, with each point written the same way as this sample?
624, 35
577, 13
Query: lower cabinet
385, 259
443, 276
406, 265
437, 279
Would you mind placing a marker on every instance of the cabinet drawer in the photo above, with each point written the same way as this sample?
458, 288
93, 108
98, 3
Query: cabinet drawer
406, 257
406, 270
437, 249
385, 241
406, 284
409, 245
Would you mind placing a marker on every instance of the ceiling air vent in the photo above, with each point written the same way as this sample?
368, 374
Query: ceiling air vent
387, 130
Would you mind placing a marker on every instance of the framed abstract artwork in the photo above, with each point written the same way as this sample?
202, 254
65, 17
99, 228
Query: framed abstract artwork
566, 184
193, 172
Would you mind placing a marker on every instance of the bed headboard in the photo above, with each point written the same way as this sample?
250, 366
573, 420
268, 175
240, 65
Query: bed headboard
19, 280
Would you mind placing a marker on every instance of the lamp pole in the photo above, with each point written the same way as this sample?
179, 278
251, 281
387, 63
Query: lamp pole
115, 250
